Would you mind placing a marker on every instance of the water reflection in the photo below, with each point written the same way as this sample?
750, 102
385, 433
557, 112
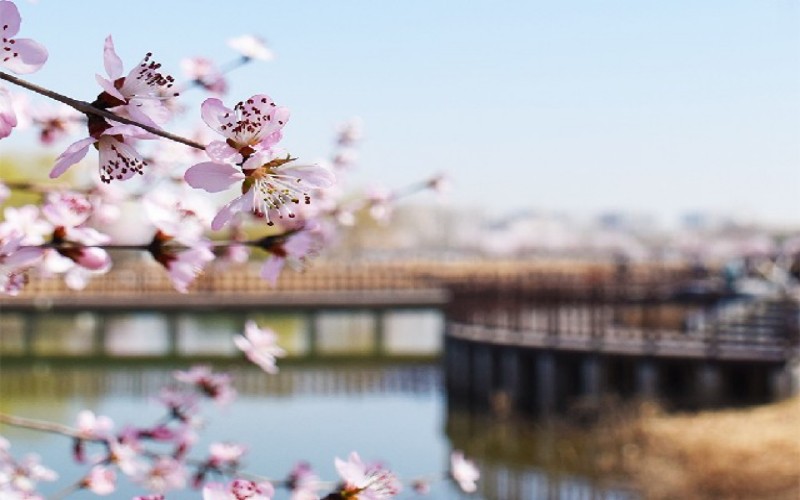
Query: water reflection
307, 333
521, 458
393, 412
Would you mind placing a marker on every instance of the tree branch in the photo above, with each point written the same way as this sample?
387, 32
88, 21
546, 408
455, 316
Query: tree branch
86, 108
40, 425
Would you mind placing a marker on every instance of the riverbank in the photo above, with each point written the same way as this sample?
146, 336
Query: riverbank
731, 454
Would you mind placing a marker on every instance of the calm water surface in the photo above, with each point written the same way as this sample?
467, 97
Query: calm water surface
394, 413
388, 410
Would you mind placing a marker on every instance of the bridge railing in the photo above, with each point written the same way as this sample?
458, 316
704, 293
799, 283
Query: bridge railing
657, 311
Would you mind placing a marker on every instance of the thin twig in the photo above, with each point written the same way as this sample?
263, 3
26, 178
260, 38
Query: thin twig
68, 490
86, 108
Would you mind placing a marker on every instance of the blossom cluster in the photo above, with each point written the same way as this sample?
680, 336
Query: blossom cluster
156, 180
70, 232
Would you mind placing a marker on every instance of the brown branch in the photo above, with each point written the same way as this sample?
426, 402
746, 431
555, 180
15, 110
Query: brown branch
86, 108
40, 425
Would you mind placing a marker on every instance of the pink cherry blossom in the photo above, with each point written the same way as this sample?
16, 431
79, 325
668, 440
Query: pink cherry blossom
379, 201
225, 454
303, 483
205, 73
251, 47
270, 183
126, 453
464, 472
251, 125
366, 482
12, 281
27, 222
56, 122
270, 189
166, 473
350, 132
216, 386
118, 159
14, 262
180, 212
66, 208
13, 255
68, 212
8, 117
182, 405
20, 55
100, 480
182, 264
259, 345
92, 426
140, 95
345, 158
238, 489
18, 478
294, 248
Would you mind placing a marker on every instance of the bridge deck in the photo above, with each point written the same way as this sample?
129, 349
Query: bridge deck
644, 310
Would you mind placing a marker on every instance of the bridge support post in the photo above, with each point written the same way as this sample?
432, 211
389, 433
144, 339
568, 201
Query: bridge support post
379, 339
592, 377
457, 368
312, 334
99, 340
647, 378
709, 384
28, 333
481, 375
508, 398
545, 382
780, 382
173, 348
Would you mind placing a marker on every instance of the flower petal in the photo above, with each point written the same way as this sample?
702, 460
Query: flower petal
221, 151
251, 47
109, 88
72, 155
212, 177
94, 259
10, 17
310, 176
244, 202
271, 269
118, 160
28, 56
8, 118
111, 60
23, 257
215, 114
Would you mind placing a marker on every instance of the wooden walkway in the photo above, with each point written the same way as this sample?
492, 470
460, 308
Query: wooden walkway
572, 306
137, 285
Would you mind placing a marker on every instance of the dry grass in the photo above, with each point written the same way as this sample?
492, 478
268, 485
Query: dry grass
733, 454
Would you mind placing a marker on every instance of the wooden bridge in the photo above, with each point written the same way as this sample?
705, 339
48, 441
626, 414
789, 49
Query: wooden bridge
543, 341
534, 335
136, 285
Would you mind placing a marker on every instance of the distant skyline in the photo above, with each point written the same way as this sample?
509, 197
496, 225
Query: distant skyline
661, 108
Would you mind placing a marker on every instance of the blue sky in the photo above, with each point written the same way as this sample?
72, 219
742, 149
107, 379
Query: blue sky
581, 106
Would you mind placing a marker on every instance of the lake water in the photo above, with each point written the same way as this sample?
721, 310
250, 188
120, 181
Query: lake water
386, 408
